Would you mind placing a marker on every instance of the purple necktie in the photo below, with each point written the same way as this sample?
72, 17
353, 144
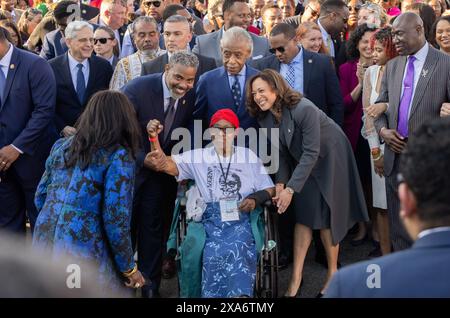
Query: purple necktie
405, 102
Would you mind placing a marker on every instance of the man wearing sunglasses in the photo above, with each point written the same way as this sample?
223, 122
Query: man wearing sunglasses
333, 20
235, 13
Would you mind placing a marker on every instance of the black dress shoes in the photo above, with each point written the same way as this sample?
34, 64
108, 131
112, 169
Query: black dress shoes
297, 294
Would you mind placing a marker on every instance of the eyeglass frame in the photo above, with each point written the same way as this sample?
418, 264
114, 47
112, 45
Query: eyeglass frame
100, 40
280, 49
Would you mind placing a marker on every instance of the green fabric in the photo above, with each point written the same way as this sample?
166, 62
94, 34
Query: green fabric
43, 8
191, 250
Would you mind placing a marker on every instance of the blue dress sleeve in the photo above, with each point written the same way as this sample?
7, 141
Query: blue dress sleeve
117, 206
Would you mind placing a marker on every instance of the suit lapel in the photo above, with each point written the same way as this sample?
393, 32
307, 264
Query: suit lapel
60, 44
424, 78
15, 61
91, 79
67, 77
308, 64
398, 81
287, 126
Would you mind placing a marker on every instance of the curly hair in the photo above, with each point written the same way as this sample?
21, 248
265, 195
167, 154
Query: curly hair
286, 96
428, 147
355, 37
384, 36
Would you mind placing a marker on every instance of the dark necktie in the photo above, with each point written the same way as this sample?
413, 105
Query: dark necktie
236, 91
405, 102
169, 116
81, 84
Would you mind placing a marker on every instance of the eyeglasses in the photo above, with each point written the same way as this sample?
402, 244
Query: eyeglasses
354, 8
314, 13
224, 130
102, 40
156, 4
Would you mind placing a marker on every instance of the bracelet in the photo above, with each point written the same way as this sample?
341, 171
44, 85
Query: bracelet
130, 272
152, 139
375, 151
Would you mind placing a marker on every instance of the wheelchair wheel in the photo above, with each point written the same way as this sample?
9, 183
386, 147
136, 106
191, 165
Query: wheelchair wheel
267, 273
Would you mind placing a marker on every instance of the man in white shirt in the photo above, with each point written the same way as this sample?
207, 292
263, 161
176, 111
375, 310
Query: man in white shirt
421, 271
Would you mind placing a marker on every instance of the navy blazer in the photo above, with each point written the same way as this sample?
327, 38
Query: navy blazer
27, 110
68, 107
213, 92
421, 271
54, 45
146, 94
320, 82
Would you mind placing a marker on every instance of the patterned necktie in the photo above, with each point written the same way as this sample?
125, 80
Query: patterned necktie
169, 117
81, 83
236, 91
405, 102
2, 84
290, 75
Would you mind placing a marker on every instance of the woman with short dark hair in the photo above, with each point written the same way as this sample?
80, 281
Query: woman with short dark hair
85, 196
317, 172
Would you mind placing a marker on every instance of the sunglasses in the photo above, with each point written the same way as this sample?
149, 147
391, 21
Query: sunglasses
102, 40
280, 49
156, 4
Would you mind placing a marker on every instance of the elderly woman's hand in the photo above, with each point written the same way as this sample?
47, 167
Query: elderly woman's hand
136, 280
247, 205
284, 201
154, 128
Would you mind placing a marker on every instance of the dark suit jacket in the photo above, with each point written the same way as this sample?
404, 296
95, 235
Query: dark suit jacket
146, 94
54, 45
27, 111
213, 92
68, 107
320, 83
433, 89
421, 271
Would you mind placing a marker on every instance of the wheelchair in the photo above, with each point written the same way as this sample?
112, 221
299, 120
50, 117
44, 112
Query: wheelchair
266, 282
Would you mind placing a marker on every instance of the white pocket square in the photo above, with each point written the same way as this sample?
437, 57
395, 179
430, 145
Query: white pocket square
257, 57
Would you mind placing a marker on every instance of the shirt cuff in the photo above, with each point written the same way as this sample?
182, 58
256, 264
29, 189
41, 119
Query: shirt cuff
21, 152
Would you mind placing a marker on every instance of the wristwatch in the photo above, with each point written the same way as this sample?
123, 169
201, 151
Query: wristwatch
290, 190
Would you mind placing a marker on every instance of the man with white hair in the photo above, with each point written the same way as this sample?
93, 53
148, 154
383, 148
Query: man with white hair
79, 75
146, 37
224, 87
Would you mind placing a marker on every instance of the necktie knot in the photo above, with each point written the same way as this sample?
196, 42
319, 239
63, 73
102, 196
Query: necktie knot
411, 59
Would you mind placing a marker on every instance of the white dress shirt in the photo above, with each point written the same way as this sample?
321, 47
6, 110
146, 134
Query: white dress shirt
4, 65
327, 39
73, 66
420, 56
241, 78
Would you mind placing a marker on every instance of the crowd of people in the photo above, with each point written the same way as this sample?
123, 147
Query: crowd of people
93, 97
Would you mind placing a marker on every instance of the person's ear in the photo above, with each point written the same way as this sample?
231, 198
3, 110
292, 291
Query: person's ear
408, 201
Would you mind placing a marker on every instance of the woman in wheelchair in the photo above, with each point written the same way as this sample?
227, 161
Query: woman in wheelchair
233, 182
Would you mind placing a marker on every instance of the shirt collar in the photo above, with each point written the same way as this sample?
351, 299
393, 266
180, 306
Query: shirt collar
6, 60
73, 63
166, 91
421, 55
433, 230
241, 73
298, 58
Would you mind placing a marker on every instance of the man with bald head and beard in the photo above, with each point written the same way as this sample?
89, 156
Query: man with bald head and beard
414, 87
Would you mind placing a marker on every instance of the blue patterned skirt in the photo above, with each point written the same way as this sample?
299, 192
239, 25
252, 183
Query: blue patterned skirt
229, 256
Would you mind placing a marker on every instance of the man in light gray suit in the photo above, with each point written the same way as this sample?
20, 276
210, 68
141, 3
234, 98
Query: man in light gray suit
235, 13
414, 87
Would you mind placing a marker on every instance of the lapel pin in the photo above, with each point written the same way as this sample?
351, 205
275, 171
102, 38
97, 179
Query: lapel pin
309, 61
289, 130
12, 66
424, 73
84, 11
184, 101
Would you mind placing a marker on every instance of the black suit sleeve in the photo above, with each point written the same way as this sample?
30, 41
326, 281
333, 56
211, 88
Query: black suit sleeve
333, 93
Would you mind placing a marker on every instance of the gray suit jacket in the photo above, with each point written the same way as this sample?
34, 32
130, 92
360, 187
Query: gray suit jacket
432, 90
209, 45
316, 147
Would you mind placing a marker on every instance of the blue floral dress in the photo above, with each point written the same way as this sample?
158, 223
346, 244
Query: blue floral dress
85, 214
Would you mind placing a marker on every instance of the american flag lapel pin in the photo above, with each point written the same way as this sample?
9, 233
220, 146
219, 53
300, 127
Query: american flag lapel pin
12, 66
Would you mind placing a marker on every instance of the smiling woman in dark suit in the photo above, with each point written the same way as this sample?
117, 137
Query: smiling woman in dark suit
316, 169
